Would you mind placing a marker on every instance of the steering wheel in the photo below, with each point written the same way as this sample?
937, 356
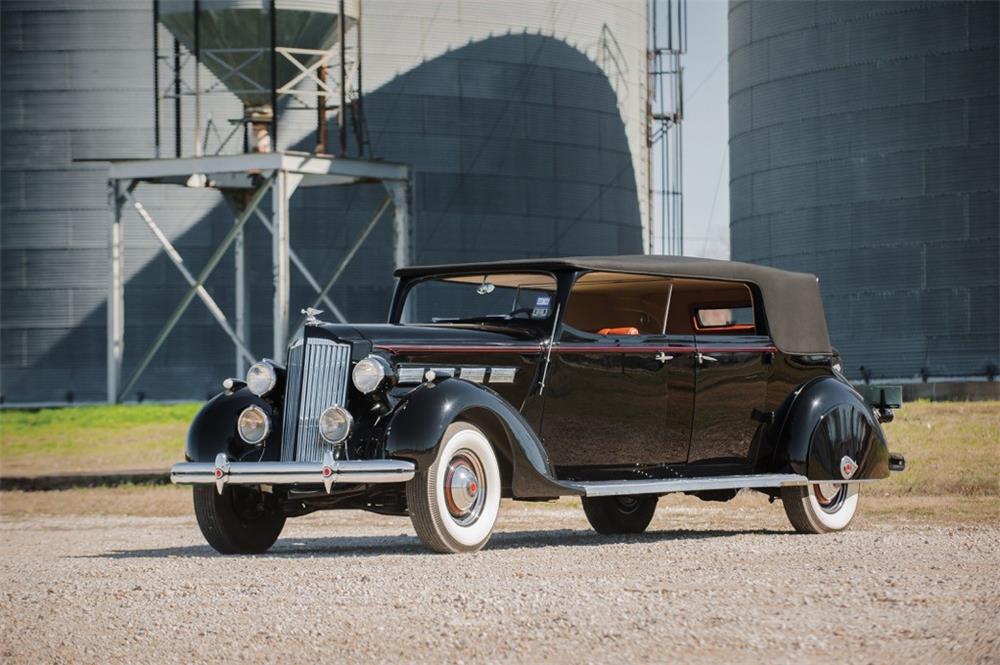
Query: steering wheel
521, 310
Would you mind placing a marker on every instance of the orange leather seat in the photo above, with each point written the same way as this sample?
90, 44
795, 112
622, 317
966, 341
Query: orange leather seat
625, 330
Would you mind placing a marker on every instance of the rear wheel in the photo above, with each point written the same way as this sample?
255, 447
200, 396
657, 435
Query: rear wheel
240, 520
620, 514
454, 503
821, 507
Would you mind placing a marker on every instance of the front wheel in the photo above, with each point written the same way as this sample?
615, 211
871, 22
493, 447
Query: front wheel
240, 520
820, 507
611, 515
454, 503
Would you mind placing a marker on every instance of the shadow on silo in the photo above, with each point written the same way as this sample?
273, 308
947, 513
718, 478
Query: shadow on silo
518, 148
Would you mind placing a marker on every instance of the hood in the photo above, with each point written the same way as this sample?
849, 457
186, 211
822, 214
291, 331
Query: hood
389, 335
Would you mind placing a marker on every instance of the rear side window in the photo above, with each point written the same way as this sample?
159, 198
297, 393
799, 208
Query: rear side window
730, 318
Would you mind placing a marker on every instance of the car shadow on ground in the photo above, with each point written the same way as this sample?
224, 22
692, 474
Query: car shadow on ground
355, 546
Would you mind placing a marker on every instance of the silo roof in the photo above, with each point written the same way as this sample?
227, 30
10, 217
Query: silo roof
792, 302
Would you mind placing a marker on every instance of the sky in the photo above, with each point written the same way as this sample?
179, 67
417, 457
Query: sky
706, 131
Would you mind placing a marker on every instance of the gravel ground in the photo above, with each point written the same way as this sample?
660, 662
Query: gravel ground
708, 583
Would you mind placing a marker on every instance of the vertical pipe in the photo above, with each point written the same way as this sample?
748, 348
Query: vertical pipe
116, 293
177, 99
241, 322
321, 110
156, 78
279, 262
342, 115
197, 78
273, 24
359, 112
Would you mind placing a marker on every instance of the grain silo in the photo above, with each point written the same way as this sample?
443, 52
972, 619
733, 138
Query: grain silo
523, 122
864, 148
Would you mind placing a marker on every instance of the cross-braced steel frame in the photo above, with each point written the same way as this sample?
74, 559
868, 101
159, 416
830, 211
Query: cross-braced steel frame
244, 180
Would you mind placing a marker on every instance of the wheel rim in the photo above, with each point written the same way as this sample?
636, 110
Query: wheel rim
830, 496
465, 488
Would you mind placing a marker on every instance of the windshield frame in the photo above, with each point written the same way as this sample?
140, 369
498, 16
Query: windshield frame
405, 287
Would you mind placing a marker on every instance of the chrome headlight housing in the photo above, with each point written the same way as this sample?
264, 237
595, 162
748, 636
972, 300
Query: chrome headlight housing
369, 373
262, 377
335, 424
253, 425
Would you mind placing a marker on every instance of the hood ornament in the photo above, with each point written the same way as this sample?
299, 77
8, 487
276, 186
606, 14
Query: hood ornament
311, 314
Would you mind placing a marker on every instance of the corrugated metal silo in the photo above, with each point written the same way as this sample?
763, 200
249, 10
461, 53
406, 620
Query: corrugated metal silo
524, 122
864, 148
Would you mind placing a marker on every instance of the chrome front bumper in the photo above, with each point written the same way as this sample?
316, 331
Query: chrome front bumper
330, 471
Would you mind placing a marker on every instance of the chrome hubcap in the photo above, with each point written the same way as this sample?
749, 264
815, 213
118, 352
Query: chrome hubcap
830, 495
464, 492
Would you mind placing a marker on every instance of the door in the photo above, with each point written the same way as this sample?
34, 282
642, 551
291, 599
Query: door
614, 377
732, 366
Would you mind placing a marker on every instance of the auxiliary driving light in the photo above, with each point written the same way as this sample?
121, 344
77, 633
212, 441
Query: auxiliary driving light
335, 424
369, 373
261, 378
253, 425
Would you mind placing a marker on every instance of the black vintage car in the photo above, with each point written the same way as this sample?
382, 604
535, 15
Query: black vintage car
615, 379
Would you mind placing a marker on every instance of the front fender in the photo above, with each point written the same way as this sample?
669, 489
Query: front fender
827, 420
419, 422
213, 429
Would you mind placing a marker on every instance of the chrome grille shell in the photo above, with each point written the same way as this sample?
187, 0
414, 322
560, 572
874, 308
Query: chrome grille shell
318, 371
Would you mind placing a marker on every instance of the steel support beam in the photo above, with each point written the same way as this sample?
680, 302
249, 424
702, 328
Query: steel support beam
240, 317
344, 262
297, 262
213, 261
284, 186
199, 288
116, 293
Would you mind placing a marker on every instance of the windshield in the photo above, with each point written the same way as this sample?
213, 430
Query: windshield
499, 298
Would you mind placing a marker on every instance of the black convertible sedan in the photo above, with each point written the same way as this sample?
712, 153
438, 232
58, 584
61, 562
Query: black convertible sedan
615, 379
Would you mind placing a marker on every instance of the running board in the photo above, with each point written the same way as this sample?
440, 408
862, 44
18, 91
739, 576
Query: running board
665, 486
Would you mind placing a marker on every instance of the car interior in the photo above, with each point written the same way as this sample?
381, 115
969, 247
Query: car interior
614, 304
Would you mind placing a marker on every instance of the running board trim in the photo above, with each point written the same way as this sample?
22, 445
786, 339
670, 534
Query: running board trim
665, 486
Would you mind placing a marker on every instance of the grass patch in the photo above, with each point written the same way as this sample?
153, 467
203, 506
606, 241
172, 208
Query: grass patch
950, 448
93, 438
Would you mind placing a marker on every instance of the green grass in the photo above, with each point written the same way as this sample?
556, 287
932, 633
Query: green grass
93, 438
951, 448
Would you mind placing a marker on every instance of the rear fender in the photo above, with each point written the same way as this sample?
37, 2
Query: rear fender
825, 421
419, 422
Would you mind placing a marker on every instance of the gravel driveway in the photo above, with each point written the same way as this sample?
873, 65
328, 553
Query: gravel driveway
708, 583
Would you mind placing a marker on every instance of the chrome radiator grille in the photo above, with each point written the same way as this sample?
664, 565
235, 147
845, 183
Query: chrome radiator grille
316, 379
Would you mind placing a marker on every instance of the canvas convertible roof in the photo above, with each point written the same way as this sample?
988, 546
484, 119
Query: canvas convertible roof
792, 301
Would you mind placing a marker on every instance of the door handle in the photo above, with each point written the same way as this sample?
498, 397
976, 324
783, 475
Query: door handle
663, 357
702, 359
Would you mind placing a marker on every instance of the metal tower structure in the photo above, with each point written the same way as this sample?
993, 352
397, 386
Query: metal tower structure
262, 76
665, 111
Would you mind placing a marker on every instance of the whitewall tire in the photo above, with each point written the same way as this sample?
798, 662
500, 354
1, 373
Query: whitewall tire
821, 507
454, 503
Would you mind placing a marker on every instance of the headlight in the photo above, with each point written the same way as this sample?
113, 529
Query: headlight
253, 425
369, 373
261, 378
335, 424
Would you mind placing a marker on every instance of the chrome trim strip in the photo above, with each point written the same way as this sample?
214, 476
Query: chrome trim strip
317, 378
290, 473
409, 375
625, 487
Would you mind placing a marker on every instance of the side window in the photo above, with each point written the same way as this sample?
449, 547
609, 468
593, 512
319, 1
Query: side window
709, 307
615, 305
